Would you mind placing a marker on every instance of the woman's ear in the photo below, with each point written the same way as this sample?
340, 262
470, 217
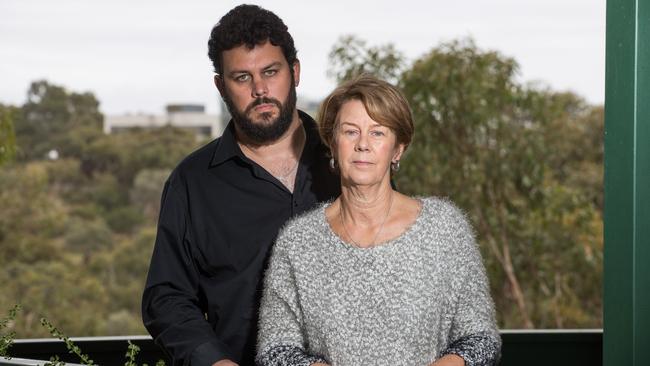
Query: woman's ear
399, 150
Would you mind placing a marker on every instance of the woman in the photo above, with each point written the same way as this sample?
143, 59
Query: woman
375, 277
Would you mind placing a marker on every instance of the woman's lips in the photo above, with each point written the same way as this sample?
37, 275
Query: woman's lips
362, 163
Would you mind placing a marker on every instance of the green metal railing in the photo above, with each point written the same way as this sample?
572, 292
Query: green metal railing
627, 184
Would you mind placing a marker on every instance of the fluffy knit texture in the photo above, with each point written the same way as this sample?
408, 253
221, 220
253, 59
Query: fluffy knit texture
408, 301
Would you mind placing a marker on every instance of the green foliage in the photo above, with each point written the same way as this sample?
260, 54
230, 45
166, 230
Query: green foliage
77, 231
123, 155
351, 57
7, 136
7, 339
146, 191
74, 349
55, 361
131, 351
54, 119
524, 163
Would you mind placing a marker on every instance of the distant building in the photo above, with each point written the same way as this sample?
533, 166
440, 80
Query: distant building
186, 116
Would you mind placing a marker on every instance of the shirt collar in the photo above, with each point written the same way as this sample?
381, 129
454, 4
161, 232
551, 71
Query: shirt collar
227, 147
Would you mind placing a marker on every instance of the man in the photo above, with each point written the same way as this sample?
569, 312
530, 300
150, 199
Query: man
223, 205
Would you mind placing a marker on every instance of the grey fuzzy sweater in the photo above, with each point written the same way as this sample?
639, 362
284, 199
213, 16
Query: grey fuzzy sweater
407, 301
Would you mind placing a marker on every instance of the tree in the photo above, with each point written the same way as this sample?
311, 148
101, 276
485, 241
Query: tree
7, 136
55, 119
351, 57
511, 156
146, 191
123, 155
38, 272
77, 231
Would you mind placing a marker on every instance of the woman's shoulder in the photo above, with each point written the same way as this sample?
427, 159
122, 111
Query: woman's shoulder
310, 217
441, 214
297, 228
441, 207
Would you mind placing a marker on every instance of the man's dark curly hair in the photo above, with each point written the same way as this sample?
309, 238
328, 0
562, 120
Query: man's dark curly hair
249, 25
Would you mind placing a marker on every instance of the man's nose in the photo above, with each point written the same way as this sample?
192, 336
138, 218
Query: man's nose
259, 87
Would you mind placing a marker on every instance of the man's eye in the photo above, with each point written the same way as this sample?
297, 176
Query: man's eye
270, 72
242, 78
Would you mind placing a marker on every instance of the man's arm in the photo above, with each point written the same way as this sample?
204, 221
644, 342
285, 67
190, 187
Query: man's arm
171, 309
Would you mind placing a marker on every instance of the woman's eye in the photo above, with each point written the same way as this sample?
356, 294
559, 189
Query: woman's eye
350, 132
377, 133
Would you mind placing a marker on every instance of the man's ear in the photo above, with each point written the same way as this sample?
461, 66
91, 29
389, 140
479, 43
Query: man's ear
218, 82
296, 72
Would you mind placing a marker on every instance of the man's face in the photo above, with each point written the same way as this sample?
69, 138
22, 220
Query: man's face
259, 89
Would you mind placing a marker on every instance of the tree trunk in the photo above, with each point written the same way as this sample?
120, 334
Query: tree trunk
514, 285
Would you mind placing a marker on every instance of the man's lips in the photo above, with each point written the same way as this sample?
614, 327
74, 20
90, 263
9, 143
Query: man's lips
264, 107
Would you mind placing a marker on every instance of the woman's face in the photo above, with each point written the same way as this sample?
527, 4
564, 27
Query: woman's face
364, 148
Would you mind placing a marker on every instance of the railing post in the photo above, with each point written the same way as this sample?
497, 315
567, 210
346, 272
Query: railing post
627, 184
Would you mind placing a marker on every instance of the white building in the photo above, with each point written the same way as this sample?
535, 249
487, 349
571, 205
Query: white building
187, 116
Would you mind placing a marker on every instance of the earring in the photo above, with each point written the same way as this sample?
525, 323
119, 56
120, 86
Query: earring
332, 163
394, 165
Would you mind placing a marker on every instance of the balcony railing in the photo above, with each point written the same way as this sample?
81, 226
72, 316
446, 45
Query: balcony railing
520, 347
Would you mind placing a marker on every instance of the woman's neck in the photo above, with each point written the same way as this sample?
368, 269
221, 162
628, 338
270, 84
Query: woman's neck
365, 205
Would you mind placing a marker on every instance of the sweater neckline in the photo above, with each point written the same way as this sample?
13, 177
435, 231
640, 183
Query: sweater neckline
385, 245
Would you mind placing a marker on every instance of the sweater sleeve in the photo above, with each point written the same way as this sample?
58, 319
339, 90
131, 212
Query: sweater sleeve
474, 335
280, 338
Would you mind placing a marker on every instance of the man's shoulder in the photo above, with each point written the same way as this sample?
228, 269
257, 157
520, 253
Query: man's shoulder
197, 162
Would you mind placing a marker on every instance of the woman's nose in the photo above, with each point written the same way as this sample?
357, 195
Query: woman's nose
362, 143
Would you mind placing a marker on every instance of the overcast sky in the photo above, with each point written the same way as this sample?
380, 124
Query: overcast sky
139, 55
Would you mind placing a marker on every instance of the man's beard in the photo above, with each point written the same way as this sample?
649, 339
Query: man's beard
268, 130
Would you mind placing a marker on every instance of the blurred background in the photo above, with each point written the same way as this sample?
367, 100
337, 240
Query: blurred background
100, 100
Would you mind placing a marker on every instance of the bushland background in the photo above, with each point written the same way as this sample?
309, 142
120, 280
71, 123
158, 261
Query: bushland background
524, 161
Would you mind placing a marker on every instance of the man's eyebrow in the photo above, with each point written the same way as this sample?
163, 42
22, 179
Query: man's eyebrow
273, 64
237, 72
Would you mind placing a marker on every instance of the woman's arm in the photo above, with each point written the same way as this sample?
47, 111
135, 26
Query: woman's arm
281, 327
474, 335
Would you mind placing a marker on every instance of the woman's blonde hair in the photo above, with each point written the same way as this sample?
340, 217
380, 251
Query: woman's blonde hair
384, 103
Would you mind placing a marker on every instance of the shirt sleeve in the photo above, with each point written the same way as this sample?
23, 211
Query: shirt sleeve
171, 310
280, 338
474, 335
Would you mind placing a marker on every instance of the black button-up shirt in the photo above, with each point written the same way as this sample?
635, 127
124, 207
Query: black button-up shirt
220, 214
